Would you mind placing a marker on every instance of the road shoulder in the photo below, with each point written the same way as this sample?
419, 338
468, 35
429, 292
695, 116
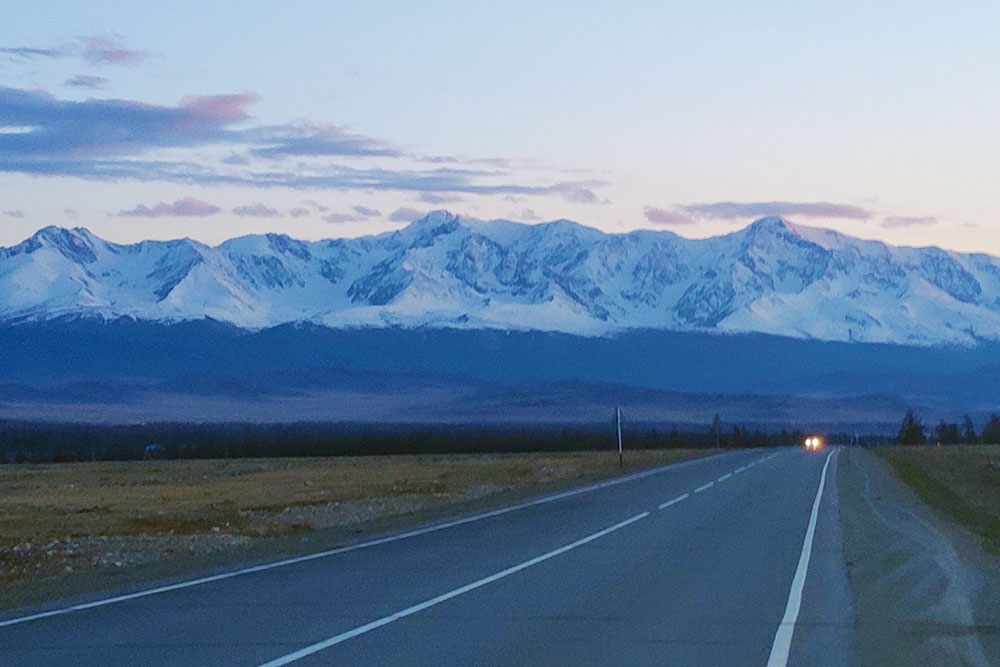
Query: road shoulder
925, 593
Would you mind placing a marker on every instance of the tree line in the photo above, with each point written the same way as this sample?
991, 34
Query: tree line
35, 442
913, 432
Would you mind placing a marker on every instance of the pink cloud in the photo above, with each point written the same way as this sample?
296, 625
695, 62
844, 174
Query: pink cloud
107, 50
189, 207
662, 216
220, 109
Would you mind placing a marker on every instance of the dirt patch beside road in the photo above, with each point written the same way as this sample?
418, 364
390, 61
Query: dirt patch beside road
925, 591
80, 527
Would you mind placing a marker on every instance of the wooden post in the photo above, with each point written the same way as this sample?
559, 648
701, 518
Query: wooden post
618, 415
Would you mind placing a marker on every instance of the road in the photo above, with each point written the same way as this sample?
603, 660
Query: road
731, 560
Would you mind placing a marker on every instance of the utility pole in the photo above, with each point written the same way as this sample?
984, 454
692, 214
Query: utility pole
618, 418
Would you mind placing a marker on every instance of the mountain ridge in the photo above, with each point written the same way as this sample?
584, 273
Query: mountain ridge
773, 277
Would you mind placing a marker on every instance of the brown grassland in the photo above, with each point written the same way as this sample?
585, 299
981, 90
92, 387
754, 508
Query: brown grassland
962, 482
79, 527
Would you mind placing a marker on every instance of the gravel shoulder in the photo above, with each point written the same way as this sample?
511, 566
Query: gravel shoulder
925, 591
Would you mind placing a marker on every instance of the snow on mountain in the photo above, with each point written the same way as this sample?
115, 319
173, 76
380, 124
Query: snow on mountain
772, 277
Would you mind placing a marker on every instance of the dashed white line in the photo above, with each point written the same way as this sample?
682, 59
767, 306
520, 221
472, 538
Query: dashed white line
739, 470
353, 547
409, 611
704, 486
676, 500
724, 477
783, 637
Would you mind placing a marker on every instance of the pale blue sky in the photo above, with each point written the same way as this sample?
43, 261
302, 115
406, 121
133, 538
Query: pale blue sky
617, 115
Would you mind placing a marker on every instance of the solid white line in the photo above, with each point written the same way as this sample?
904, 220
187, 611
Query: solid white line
724, 477
676, 500
783, 637
409, 611
704, 486
352, 547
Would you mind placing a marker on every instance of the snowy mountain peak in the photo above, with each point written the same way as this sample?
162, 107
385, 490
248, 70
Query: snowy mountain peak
442, 270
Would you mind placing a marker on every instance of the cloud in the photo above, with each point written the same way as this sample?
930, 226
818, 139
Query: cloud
189, 207
727, 210
304, 139
71, 213
360, 214
257, 211
662, 216
337, 218
528, 215
30, 52
298, 212
894, 221
14, 213
97, 128
438, 198
109, 50
94, 49
406, 215
87, 81
315, 205
117, 139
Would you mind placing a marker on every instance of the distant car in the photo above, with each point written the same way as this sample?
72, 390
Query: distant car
813, 442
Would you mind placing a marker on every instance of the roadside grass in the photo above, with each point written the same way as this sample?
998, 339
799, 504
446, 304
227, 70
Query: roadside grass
71, 528
962, 482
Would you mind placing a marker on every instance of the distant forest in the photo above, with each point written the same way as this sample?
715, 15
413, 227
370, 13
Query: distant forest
33, 442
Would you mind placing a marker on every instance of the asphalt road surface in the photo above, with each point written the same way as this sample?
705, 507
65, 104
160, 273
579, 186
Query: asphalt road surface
731, 560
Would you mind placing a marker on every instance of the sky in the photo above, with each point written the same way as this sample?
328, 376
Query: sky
327, 119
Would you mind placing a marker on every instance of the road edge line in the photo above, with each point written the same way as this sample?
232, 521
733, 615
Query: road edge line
782, 645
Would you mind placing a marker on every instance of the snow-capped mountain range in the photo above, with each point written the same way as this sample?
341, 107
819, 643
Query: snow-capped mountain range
444, 271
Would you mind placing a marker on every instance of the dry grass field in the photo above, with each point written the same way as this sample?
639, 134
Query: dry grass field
962, 482
68, 521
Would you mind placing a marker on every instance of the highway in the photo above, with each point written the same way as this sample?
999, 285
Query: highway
735, 559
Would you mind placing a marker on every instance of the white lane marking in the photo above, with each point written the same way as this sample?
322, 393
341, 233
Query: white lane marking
783, 637
739, 470
409, 611
353, 547
704, 486
676, 500
724, 477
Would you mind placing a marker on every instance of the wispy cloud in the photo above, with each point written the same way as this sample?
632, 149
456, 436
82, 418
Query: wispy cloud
662, 216
406, 215
109, 50
94, 49
366, 212
71, 213
438, 198
895, 221
14, 213
360, 214
315, 205
257, 211
727, 210
314, 140
31, 52
87, 81
189, 207
109, 139
298, 212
